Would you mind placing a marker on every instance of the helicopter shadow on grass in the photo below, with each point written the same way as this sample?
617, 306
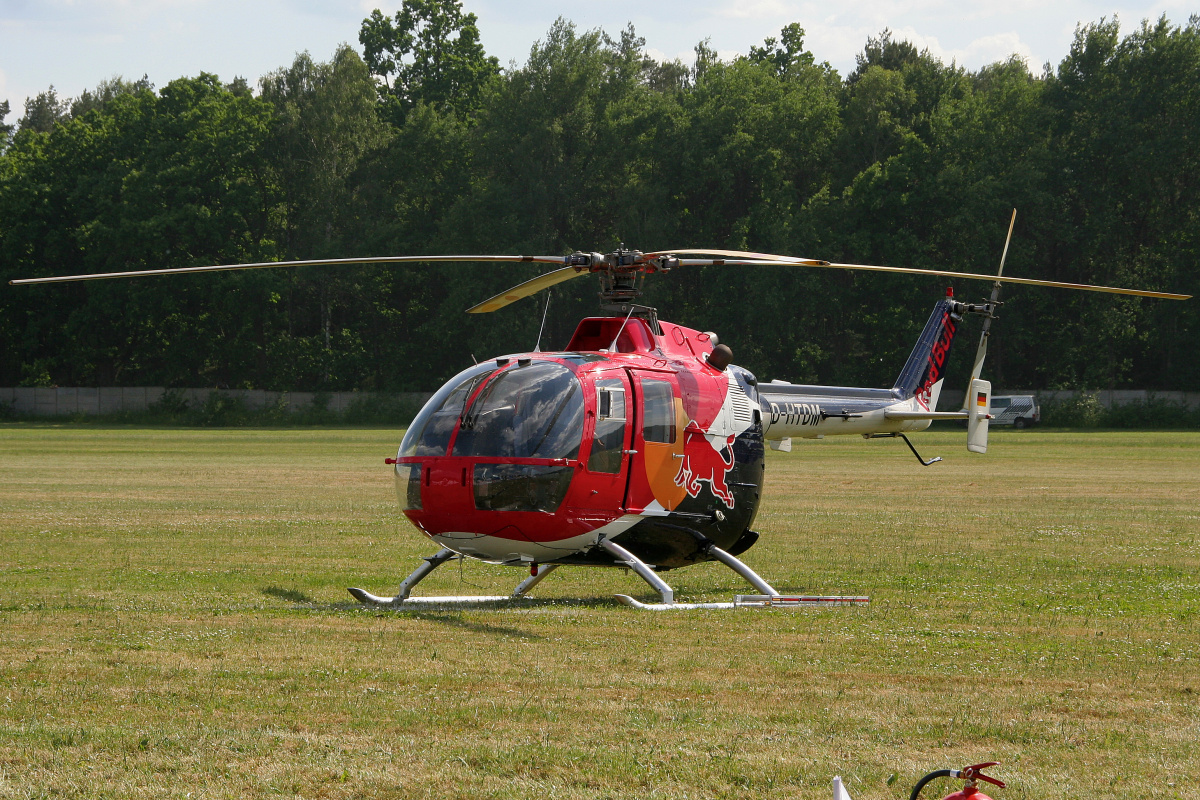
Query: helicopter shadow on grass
450, 619
453, 614
439, 613
290, 595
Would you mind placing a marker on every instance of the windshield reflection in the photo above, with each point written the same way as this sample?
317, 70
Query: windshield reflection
532, 411
429, 433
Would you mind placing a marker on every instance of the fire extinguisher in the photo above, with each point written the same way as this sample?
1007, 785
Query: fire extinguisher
969, 774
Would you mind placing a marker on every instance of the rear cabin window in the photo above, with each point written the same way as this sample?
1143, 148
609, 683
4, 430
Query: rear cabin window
658, 412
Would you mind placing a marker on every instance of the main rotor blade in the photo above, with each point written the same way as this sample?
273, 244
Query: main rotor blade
760, 258
810, 262
1087, 287
535, 285
532, 286
273, 264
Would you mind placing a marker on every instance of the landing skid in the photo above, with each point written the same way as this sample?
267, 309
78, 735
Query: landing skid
433, 562
368, 599
753, 601
768, 597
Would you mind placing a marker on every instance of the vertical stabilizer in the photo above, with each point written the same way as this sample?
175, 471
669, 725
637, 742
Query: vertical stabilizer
923, 372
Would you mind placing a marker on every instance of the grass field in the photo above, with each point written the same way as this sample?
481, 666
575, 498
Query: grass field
174, 623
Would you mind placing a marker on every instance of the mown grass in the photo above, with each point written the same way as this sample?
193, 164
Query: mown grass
174, 623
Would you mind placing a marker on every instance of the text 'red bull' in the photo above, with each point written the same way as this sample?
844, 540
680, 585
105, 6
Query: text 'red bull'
937, 360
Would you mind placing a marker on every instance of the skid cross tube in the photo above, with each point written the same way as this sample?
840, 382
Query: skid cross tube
533, 580
406, 586
740, 568
641, 568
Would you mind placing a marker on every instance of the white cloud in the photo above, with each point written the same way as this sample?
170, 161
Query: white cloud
755, 9
688, 57
997, 47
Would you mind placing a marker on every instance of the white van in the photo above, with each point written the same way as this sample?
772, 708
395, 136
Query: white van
1018, 410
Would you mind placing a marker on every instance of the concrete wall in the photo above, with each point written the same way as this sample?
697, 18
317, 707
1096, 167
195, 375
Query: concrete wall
63, 401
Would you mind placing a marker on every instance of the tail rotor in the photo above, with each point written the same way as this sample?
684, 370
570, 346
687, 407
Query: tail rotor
978, 399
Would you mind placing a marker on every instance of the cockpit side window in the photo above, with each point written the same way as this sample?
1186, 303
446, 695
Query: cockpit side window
533, 411
609, 437
429, 434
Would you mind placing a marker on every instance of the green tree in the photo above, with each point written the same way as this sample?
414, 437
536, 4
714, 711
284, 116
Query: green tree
1127, 151
43, 111
105, 92
6, 130
170, 180
325, 125
430, 52
748, 154
589, 144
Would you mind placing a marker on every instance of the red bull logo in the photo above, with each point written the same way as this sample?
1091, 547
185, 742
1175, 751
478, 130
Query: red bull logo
703, 462
937, 360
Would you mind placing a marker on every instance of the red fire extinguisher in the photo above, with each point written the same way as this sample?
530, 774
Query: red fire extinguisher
969, 774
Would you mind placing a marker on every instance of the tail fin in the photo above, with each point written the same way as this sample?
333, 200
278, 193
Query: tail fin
922, 374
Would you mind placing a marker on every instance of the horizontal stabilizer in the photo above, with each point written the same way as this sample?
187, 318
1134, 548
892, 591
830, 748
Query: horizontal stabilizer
926, 415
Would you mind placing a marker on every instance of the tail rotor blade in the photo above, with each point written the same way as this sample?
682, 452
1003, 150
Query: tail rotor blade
981, 351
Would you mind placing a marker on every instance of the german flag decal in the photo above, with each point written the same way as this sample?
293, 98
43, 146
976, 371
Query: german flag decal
981, 399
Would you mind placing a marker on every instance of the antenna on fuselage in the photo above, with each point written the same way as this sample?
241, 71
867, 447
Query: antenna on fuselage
537, 348
612, 348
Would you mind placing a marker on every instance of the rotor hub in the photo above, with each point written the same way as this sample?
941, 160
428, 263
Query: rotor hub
622, 274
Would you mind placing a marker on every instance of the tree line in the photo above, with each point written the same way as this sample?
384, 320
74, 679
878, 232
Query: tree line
422, 143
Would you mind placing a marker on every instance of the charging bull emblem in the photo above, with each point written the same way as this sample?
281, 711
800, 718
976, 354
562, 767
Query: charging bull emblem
704, 461
708, 451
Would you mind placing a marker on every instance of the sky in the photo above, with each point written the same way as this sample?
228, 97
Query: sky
73, 45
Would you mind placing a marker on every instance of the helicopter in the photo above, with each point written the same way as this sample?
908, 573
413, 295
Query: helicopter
640, 445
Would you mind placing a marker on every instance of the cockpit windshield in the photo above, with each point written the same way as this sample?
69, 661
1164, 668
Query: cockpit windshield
530, 411
429, 434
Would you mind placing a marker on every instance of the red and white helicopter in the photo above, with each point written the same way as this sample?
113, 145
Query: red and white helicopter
640, 444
